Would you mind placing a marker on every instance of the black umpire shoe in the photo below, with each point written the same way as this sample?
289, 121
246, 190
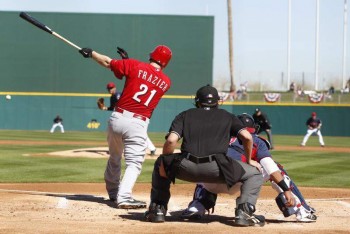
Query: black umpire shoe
156, 213
244, 216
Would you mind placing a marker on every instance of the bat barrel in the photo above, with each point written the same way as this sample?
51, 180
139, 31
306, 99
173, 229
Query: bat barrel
35, 22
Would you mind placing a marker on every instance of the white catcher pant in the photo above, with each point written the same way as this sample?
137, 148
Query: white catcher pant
127, 134
310, 132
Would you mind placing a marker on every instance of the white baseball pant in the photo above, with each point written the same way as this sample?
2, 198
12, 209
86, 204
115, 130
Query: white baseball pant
310, 132
125, 134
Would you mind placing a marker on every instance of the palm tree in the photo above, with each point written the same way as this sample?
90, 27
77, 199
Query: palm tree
230, 45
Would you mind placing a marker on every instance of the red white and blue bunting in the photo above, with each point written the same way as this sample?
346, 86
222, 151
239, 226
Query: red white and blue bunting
316, 97
272, 97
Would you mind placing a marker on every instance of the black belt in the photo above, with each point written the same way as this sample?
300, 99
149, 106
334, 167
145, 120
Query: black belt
199, 160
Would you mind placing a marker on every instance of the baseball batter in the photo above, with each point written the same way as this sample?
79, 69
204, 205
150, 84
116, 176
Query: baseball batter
205, 194
313, 127
145, 84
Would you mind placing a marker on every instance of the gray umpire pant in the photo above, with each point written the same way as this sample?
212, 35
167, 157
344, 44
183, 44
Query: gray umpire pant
187, 170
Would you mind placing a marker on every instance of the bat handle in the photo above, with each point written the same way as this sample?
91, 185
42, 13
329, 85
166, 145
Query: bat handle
65, 40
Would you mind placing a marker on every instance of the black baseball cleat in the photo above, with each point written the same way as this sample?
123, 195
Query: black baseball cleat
244, 216
155, 214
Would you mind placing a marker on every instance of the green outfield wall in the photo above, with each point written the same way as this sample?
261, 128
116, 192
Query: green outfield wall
36, 112
32, 60
46, 77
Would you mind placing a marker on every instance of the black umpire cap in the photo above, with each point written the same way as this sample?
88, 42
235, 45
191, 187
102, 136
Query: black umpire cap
207, 96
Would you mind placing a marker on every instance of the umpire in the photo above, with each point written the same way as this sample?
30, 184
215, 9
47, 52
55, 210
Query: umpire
261, 120
206, 132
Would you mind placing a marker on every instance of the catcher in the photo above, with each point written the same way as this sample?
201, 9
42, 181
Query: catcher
289, 200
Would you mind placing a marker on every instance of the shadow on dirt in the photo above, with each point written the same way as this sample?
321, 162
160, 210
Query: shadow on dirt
175, 216
85, 197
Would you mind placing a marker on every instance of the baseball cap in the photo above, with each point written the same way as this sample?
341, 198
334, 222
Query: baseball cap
257, 110
110, 85
313, 114
207, 95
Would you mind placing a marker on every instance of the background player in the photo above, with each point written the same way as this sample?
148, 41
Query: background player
313, 127
57, 122
145, 84
205, 194
264, 124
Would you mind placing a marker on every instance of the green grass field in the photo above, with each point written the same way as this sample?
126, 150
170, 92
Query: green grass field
307, 168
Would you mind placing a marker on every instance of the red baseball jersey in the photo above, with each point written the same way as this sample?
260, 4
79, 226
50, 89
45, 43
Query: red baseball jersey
144, 85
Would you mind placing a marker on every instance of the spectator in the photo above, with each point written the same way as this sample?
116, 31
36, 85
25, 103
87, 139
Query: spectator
293, 87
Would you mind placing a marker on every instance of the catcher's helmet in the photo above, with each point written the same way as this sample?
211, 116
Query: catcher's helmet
248, 122
110, 85
207, 96
161, 55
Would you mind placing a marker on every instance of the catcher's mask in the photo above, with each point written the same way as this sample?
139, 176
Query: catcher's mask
207, 96
161, 55
248, 122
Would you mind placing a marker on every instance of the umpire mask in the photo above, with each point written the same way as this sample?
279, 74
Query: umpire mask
207, 96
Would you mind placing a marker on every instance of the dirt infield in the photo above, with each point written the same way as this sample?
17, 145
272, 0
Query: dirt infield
84, 208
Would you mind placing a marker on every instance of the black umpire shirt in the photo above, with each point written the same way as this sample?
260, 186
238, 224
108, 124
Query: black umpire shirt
206, 131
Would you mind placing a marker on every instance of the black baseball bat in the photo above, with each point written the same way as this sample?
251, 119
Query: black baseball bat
42, 26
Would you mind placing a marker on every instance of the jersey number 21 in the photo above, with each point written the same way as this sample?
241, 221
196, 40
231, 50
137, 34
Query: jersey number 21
142, 92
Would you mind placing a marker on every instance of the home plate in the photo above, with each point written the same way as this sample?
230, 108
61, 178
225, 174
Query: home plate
62, 203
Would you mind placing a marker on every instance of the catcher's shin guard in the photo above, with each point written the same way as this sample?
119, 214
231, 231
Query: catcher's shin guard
281, 203
294, 189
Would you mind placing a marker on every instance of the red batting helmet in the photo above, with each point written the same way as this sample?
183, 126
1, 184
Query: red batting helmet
161, 55
110, 85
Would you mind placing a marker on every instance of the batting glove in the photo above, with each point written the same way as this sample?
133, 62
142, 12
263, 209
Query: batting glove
86, 52
122, 53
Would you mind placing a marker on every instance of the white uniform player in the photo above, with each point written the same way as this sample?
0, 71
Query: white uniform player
57, 122
313, 127
145, 84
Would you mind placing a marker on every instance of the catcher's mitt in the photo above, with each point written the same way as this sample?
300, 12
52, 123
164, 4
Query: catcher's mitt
101, 104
